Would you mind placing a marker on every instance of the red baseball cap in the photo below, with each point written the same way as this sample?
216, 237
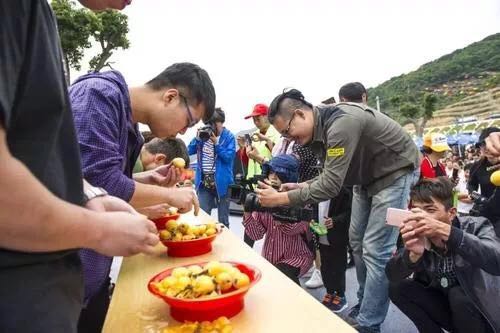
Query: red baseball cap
258, 110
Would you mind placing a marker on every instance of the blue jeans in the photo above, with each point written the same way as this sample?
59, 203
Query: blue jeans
209, 200
373, 243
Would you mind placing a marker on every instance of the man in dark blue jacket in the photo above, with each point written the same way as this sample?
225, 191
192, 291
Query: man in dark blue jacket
455, 262
214, 172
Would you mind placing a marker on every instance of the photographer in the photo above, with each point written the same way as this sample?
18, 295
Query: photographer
215, 147
286, 245
362, 147
455, 284
481, 170
258, 149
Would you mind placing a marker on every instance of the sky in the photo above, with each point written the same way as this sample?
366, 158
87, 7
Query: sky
252, 50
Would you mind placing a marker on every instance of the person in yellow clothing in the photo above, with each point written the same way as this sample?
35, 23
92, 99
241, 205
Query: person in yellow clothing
263, 141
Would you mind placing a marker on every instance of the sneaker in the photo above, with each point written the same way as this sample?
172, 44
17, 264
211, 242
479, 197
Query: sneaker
315, 281
354, 311
338, 304
352, 321
309, 273
327, 300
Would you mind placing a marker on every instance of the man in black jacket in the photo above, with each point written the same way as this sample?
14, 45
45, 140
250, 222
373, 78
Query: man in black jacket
456, 273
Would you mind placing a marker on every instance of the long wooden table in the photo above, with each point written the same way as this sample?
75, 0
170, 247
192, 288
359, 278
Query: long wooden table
274, 304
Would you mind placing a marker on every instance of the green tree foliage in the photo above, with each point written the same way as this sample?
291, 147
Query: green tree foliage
76, 27
471, 61
111, 35
417, 113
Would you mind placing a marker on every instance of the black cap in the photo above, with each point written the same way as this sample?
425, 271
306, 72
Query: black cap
485, 133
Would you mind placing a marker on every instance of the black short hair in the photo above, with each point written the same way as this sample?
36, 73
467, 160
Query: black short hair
353, 92
171, 148
439, 189
218, 116
192, 81
468, 166
286, 102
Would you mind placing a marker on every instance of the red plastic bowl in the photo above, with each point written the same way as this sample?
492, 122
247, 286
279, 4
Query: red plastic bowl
190, 248
207, 309
161, 221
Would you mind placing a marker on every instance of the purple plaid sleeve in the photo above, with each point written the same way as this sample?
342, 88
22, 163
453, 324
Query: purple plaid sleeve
101, 129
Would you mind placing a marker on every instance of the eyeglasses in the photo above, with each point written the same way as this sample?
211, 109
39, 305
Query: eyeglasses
285, 132
191, 120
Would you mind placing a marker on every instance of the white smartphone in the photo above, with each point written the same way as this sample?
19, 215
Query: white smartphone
395, 216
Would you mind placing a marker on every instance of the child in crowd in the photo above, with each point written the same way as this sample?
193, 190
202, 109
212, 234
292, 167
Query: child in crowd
334, 250
158, 152
286, 245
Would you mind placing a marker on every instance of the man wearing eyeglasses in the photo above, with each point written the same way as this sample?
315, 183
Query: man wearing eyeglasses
362, 147
106, 113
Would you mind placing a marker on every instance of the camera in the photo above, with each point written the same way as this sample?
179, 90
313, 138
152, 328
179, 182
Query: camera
242, 193
205, 132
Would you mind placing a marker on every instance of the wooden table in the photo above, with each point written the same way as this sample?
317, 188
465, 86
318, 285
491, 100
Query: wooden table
274, 304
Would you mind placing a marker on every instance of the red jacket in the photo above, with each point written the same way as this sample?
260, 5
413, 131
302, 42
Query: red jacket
427, 170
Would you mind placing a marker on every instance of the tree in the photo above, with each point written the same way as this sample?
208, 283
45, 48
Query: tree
75, 27
111, 34
415, 113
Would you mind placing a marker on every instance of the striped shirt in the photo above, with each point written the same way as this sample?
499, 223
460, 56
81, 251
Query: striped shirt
208, 157
284, 242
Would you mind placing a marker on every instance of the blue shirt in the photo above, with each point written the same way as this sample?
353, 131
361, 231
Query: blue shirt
109, 146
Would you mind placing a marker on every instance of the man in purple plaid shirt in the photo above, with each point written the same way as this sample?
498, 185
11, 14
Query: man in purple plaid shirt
106, 112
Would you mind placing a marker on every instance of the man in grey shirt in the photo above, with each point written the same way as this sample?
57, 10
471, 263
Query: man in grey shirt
362, 147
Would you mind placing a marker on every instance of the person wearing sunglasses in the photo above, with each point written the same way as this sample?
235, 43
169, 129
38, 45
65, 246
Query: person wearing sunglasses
362, 147
106, 112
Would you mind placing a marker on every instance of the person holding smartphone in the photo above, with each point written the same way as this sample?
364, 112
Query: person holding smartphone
456, 281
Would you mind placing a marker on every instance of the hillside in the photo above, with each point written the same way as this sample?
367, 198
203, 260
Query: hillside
452, 77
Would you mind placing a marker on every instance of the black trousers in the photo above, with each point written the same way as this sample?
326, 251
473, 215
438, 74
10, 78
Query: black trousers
93, 316
290, 271
433, 309
334, 258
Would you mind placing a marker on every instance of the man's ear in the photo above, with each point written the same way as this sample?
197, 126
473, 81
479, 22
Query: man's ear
299, 113
452, 212
170, 95
160, 159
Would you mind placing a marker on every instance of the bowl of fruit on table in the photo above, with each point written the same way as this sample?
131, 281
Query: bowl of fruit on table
162, 221
185, 240
205, 291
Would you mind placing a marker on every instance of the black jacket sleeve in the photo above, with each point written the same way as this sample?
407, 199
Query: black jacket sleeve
13, 35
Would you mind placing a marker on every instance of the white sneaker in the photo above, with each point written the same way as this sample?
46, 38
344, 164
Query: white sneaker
309, 273
315, 281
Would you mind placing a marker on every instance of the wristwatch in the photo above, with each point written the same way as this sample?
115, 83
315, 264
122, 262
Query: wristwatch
93, 192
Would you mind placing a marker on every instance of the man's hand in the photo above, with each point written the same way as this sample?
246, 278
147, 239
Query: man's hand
426, 226
109, 203
184, 198
154, 212
414, 244
125, 234
328, 222
165, 175
253, 153
260, 137
290, 186
269, 197
493, 144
